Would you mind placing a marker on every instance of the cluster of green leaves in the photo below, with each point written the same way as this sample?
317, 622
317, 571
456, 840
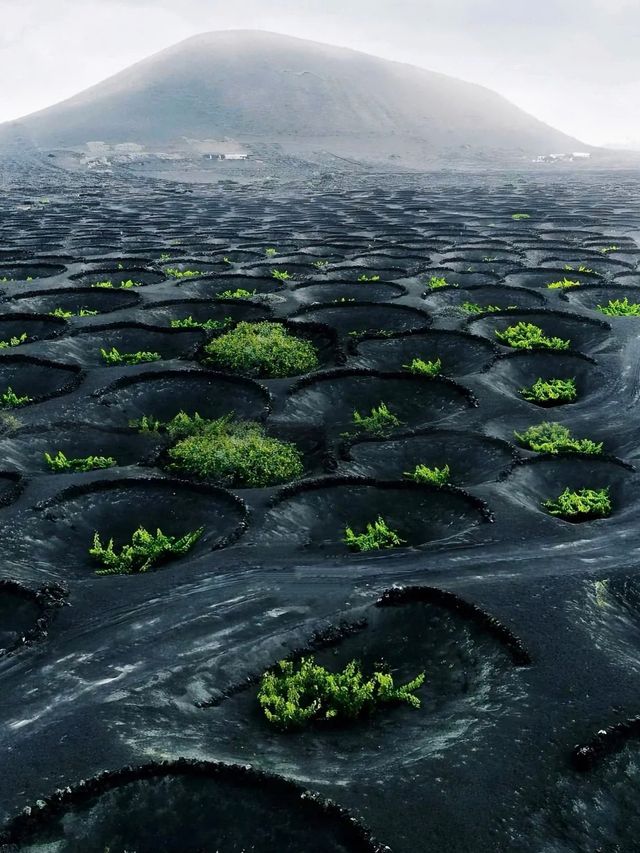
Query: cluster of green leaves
377, 535
64, 315
114, 357
606, 250
209, 325
580, 505
620, 308
164, 257
476, 308
271, 252
144, 552
281, 275
563, 284
551, 392
239, 293
14, 341
550, 437
10, 400
436, 282
296, 695
380, 421
529, 336
175, 272
424, 368
519, 216
147, 423
320, 264
366, 277
262, 349
433, 476
235, 453
125, 285
60, 463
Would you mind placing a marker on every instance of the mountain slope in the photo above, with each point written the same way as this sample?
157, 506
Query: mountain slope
257, 86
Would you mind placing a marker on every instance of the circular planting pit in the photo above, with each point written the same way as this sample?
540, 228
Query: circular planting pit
119, 278
315, 514
164, 394
188, 807
62, 532
544, 478
201, 310
472, 458
594, 295
459, 352
25, 450
210, 286
75, 300
28, 272
469, 300
36, 327
583, 333
86, 345
37, 378
520, 370
362, 317
341, 292
460, 278
542, 278
330, 399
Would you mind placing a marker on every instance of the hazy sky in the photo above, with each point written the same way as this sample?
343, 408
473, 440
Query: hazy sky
572, 63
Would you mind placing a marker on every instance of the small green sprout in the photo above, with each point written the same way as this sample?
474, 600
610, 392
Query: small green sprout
380, 421
144, 552
124, 285
10, 400
475, 308
580, 505
606, 250
240, 293
581, 268
433, 476
60, 463
620, 308
165, 256
424, 368
271, 252
563, 284
209, 325
529, 336
147, 423
14, 341
176, 272
114, 357
368, 278
262, 349
519, 216
551, 392
64, 315
293, 696
555, 438
435, 283
376, 537
281, 275
320, 264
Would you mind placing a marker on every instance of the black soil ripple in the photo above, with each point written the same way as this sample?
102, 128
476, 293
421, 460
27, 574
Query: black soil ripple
37, 378
347, 318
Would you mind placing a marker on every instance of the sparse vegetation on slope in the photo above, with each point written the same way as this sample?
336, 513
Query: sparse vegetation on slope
555, 438
145, 551
551, 392
376, 536
529, 336
580, 505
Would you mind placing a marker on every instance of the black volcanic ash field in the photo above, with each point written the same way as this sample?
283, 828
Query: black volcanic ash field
527, 626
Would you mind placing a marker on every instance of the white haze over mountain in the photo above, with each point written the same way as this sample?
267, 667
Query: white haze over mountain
573, 63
